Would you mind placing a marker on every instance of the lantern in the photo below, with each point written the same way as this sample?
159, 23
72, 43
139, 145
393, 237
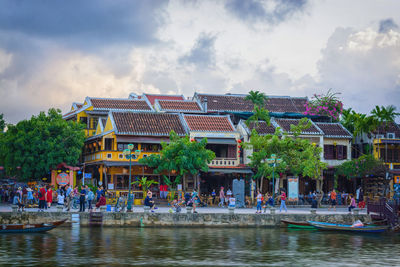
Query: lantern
1, 168
239, 141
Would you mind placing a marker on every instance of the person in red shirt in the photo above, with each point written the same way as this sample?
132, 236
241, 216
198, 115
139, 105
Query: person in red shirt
42, 198
49, 196
283, 201
101, 202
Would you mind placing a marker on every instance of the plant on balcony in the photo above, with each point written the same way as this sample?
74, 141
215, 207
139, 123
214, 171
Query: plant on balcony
31, 148
145, 184
326, 105
181, 156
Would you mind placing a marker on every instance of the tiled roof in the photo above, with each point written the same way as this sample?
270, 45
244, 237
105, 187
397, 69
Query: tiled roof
390, 127
104, 103
152, 98
79, 105
285, 125
209, 123
238, 103
333, 130
177, 105
147, 123
262, 127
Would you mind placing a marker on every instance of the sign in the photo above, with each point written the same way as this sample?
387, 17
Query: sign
88, 175
62, 179
100, 183
179, 187
397, 179
293, 188
111, 186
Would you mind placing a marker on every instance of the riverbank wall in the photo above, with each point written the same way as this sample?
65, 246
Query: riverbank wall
141, 219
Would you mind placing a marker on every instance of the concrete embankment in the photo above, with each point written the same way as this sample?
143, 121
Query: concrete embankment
140, 219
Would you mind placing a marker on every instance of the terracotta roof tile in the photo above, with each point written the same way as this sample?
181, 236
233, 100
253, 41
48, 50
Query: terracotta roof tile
208, 123
262, 128
176, 105
148, 123
391, 127
285, 125
333, 130
238, 103
152, 98
104, 103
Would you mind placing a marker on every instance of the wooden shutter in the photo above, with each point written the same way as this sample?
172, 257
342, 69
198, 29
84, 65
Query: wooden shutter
328, 151
344, 152
339, 150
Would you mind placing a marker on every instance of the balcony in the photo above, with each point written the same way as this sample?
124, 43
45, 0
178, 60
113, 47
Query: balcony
224, 162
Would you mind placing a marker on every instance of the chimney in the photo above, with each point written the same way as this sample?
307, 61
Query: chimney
205, 104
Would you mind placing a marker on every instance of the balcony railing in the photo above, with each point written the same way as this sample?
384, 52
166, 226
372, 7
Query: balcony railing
224, 162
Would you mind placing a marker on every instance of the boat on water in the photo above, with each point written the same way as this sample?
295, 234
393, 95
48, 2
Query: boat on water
349, 228
29, 228
298, 225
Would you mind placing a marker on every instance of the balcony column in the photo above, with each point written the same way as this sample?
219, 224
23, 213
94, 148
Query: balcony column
321, 145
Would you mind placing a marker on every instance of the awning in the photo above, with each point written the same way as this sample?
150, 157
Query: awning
390, 141
227, 170
225, 141
113, 163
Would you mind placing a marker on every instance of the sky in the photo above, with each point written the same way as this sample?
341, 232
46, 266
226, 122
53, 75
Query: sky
53, 52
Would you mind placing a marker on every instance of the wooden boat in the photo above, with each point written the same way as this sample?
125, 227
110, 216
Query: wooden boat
29, 228
298, 225
349, 228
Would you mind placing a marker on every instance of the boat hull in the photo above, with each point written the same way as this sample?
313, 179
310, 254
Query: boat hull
348, 228
29, 228
297, 225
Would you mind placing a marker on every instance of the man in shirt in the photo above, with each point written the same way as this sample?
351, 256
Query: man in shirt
42, 198
283, 202
333, 200
82, 200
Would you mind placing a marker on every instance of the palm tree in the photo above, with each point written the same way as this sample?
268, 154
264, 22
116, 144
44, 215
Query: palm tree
363, 124
347, 119
257, 98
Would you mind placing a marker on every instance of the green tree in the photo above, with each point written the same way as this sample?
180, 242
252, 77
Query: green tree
298, 155
145, 184
361, 167
385, 115
259, 112
181, 156
31, 148
257, 98
2, 123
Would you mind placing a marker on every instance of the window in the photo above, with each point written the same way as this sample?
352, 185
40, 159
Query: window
122, 146
390, 135
108, 143
83, 120
338, 152
151, 147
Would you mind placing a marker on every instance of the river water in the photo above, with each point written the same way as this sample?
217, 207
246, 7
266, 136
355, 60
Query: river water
197, 247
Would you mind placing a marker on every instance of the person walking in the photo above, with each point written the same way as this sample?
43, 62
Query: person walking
49, 196
333, 200
283, 201
259, 202
82, 199
90, 197
221, 197
42, 198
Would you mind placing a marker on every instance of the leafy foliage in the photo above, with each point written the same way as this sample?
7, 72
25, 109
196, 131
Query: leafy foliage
326, 105
31, 148
2, 123
259, 112
145, 184
257, 98
298, 155
181, 156
361, 167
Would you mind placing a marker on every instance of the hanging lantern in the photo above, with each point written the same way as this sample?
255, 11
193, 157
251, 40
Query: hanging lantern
192, 140
239, 146
1, 168
59, 171
18, 167
239, 141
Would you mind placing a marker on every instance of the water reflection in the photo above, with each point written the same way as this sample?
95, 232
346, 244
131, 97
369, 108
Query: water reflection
196, 247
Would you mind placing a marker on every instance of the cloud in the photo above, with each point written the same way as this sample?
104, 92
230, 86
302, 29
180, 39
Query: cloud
272, 11
387, 25
202, 53
83, 23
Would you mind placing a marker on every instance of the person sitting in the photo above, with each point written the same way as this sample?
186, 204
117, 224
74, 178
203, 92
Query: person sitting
148, 201
101, 202
175, 206
352, 203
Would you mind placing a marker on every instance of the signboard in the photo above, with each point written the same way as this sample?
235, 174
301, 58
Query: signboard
397, 179
88, 175
62, 178
179, 187
111, 186
293, 188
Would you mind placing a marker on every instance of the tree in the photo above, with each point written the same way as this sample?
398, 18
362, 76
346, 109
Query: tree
259, 112
298, 155
2, 123
257, 98
31, 148
361, 167
145, 184
181, 156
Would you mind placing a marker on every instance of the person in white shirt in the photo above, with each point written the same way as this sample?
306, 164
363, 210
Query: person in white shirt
60, 198
232, 202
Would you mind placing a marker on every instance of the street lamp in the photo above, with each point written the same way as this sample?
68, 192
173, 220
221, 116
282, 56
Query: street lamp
274, 161
128, 155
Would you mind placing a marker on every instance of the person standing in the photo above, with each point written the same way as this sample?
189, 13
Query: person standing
90, 197
221, 197
283, 201
213, 194
49, 196
259, 202
68, 196
82, 200
42, 198
352, 203
333, 200
60, 198
29, 196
